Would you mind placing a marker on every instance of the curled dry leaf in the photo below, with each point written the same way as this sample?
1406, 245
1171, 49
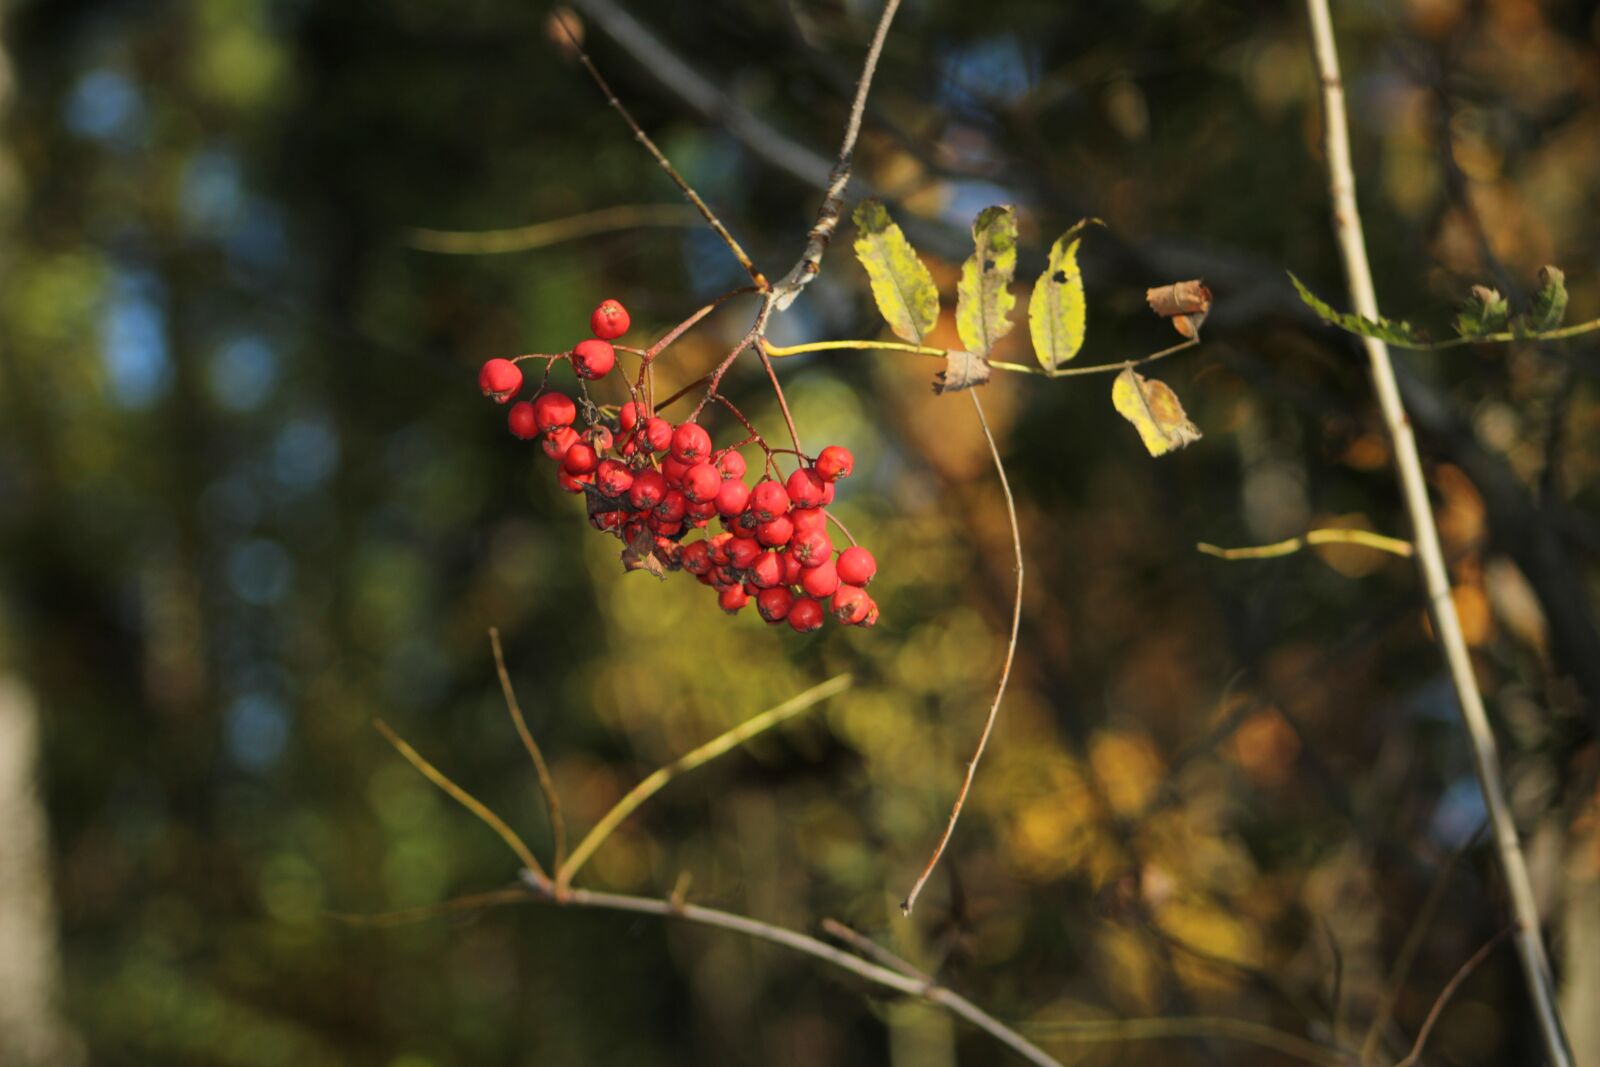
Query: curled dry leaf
640, 555
1155, 412
962, 370
1186, 303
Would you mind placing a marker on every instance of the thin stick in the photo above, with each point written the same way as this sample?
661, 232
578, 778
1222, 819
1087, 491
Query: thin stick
683, 764
1448, 992
462, 797
1199, 1026
660, 157
558, 825
810, 946
406, 916
1364, 538
1436, 579
1005, 671
810, 264
874, 951
780, 351
544, 234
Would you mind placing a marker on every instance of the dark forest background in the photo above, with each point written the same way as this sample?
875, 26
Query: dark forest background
250, 499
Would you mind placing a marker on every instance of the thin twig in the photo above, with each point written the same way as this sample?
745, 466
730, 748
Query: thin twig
683, 764
660, 158
810, 264
1005, 671
544, 234
547, 785
780, 351
1364, 538
1436, 578
1196, 1026
1448, 992
406, 916
462, 797
874, 951
810, 946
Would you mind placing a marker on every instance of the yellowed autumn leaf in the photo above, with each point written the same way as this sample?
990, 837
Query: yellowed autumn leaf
1155, 412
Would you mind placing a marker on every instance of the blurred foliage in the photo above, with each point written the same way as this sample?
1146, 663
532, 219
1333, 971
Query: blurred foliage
250, 499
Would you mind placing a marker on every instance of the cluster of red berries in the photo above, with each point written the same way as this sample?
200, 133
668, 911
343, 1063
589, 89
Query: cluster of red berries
651, 483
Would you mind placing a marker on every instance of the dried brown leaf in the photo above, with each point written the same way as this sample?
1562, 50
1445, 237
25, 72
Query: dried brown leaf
962, 370
1186, 303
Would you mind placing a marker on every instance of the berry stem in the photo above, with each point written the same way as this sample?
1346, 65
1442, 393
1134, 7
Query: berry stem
1005, 671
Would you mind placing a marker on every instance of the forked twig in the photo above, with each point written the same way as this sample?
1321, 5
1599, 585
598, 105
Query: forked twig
552, 802
1005, 671
874, 951
1448, 992
683, 764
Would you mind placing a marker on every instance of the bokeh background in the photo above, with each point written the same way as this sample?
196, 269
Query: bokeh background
250, 499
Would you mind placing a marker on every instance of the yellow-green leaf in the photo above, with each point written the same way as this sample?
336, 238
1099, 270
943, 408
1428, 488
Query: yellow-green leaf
901, 284
1154, 410
983, 295
1056, 310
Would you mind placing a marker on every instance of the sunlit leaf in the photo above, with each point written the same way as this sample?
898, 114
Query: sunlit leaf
1056, 310
1155, 412
1399, 333
901, 284
984, 300
1484, 311
1549, 305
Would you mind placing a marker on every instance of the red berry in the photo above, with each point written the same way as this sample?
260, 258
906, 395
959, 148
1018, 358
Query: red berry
701, 513
554, 409
647, 490
557, 441
856, 565
655, 435
732, 498
697, 557
702, 483
850, 604
522, 420
731, 465
669, 552
812, 549
613, 478
872, 613
774, 603
673, 470
806, 488
834, 463
579, 459
775, 534
742, 552
573, 483
661, 526
719, 548
811, 520
690, 443
768, 500
500, 379
767, 571
593, 358
805, 615
607, 520
672, 507
733, 598
792, 568
628, 416
610, 320
820, 581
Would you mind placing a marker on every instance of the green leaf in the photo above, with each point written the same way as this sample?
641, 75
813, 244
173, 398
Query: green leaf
1549, 305
1056, 310
983, 296
1484, 311
1402, 334
901, 284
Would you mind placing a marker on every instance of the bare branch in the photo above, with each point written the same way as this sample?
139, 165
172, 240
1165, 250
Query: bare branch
1448, 992
544, 234
874, 951
552, 802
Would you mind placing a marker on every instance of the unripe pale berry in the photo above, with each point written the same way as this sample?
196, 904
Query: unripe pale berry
523, 421
768, 500
856, 565
579, 459
805, 615
690, 443
850, 604
593, 358
732, 498
554, 409
733, 598
775, 534
610, 320
820, 581
613, 478
835, 462
647, 490
500, 379
557, 441
702, 483
731, 465
811, 549
806, 488
774, 603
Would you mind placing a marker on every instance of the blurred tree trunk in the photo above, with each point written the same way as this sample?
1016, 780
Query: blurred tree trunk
32, 1033
1580, 946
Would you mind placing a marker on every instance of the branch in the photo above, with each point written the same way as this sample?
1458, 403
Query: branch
1447, 625
552, 802
810, 264
543, 234
1005, 671
683, 764
1448, 992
